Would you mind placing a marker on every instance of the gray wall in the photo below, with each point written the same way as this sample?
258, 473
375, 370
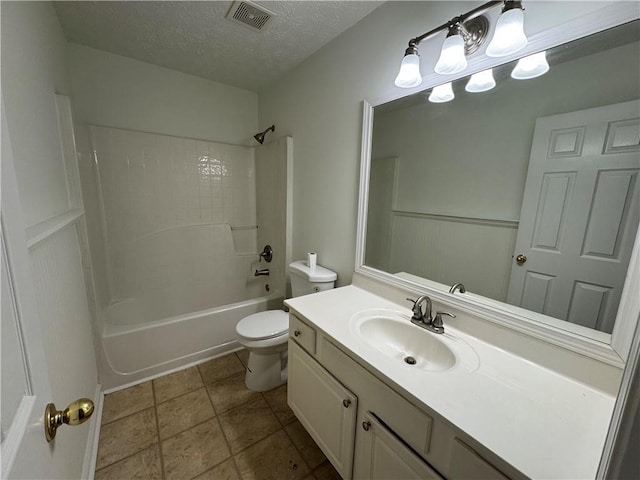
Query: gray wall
115, 91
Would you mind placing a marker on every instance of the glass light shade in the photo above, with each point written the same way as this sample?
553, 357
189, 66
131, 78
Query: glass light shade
481, 81
442, 93
509, 36
531, 67
409, 74
452, 58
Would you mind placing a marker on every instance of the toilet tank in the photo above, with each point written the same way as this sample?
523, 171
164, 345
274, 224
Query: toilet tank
305, 280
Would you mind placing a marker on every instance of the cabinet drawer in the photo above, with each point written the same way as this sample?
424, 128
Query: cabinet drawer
302, 333
412, 425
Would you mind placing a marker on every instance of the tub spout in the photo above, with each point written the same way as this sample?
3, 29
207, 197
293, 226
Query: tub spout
264, 271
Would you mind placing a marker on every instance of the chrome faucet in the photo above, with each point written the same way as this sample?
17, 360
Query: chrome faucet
424, 320
259, 273
457, 286
418, 316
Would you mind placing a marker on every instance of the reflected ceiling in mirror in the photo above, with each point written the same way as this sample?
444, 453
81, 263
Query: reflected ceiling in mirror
543, 170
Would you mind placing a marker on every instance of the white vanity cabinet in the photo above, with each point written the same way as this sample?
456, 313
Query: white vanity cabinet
365, 428
324, 407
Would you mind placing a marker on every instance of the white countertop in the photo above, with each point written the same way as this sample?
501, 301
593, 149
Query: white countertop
542, 423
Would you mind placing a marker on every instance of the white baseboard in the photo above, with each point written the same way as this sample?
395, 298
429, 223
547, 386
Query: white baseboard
13, 438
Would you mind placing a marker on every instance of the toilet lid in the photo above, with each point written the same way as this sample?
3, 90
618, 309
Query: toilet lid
268, 324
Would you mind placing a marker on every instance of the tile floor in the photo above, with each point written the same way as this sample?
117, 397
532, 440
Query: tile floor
203, 423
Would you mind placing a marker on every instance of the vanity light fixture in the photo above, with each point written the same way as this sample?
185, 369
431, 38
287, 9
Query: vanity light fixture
442, 93
481, 81
409, 74
531, 67
509, 36
452, 58
465, 34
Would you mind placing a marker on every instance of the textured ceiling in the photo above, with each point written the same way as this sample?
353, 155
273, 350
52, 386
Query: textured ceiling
196, 38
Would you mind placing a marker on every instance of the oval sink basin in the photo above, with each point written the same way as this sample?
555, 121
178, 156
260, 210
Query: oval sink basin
392, 334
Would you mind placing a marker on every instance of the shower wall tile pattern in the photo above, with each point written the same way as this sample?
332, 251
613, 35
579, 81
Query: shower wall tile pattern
170, 205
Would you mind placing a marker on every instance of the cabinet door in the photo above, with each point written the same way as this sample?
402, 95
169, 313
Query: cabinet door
380, 455
325, 408
466, 463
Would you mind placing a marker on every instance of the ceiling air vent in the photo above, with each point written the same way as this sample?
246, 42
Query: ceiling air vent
249, 14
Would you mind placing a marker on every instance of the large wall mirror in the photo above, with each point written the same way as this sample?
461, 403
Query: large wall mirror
528, 193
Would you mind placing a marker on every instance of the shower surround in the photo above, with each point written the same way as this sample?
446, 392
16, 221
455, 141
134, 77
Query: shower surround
179, 228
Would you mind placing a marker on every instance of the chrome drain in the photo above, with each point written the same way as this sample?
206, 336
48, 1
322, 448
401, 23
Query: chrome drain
410, 360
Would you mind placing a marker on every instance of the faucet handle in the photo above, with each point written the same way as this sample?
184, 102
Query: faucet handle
267, 254
437, 320
417, 309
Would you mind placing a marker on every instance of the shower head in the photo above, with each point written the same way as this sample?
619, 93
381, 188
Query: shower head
260, 136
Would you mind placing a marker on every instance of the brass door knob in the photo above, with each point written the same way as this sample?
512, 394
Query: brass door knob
76, 413
520, 259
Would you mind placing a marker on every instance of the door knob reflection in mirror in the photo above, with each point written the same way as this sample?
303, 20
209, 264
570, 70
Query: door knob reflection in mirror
76, 413
520, 259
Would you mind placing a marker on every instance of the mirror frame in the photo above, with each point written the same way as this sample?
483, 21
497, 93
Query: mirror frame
611, 349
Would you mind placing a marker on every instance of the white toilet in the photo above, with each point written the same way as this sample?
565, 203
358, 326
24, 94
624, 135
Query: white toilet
265, 334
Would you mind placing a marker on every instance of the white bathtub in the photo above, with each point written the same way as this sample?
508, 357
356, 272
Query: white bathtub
138, 344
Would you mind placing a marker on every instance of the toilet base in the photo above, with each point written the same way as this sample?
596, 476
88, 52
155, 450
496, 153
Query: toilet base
266, 371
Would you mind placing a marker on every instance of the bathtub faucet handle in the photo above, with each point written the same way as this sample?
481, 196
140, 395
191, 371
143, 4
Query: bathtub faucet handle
267, 254
264, 271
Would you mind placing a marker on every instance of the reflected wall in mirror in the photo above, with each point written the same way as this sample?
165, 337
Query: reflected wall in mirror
546, 168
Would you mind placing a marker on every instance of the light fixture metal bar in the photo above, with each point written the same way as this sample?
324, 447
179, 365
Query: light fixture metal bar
459, 19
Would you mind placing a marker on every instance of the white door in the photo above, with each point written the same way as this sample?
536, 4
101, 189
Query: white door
43, 359
579, 215
25, 383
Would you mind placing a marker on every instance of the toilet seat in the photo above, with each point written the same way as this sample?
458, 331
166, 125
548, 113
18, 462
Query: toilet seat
263, 325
